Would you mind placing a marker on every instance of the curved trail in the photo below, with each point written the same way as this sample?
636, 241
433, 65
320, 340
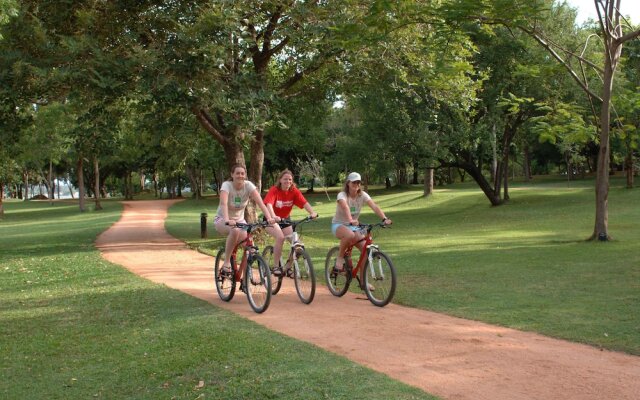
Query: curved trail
446, 356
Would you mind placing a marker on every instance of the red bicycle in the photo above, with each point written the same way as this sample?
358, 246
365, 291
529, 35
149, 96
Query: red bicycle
252, 272
374, 271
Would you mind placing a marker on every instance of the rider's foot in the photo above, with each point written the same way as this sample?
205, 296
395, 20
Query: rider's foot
371, 287
339, 267
226, 270
277, 271
289, 272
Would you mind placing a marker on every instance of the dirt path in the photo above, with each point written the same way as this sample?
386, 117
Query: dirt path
449, 357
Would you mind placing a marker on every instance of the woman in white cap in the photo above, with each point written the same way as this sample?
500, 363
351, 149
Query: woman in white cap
344, 224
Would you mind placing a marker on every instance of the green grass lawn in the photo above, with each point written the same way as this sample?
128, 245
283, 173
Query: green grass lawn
73, 326
525, 264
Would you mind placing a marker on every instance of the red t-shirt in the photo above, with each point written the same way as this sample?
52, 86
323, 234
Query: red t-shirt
283, 201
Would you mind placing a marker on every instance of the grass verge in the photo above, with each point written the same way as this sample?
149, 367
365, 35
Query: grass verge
75, 326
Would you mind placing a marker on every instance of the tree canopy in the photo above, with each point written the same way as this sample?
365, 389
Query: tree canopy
175, 92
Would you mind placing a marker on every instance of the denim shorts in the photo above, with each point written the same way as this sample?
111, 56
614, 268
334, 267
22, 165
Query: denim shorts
334, 227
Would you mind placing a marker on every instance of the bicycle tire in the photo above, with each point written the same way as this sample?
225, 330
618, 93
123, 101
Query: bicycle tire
338, 284
276, 281
379, 279
304, 276
225, 285
257, 283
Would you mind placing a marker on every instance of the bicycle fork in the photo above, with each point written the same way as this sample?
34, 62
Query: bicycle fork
375, 270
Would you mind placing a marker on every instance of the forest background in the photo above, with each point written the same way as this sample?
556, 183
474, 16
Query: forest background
121, 97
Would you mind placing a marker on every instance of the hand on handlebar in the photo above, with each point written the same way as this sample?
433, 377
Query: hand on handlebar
387, 221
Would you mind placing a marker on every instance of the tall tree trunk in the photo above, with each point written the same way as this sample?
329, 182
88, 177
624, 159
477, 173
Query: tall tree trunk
50, 180
80, 172
428, 182
464, 162
494, 155
96, 183
601, 226
257, 158
70, 187
1, 199
526, 163
628, 166
155, 184
25, 180
256, 151
194, 181
505, 176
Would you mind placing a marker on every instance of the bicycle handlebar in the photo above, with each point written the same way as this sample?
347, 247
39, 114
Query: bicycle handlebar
249, 227
369, 227
286, 222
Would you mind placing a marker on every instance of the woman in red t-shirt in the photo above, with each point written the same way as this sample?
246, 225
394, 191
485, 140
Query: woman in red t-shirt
279, 201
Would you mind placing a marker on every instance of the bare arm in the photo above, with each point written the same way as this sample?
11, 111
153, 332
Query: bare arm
309, 209
255, 196
376, 209
272, 212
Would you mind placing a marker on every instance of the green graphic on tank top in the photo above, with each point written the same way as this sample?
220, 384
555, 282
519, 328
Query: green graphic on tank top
353, 209
237, 201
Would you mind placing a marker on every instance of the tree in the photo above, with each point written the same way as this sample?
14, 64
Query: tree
614, 30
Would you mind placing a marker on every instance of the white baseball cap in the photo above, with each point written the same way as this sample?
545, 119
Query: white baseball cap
354, 176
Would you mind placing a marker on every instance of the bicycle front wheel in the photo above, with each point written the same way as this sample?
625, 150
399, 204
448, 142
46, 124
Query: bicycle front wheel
304, 276
225, 282
276, 281
257, 284
379, 279
337, 282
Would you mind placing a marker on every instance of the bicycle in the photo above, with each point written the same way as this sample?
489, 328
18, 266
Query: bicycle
298, 265
252, 272
374, 271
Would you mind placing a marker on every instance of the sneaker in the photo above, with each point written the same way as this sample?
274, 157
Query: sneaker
371, 287
226, 270
277, 271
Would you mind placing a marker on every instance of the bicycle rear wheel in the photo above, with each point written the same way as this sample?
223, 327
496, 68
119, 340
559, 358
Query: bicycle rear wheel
304, 276
276, 281
225, 282
257, 284
379, 279
337, 282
